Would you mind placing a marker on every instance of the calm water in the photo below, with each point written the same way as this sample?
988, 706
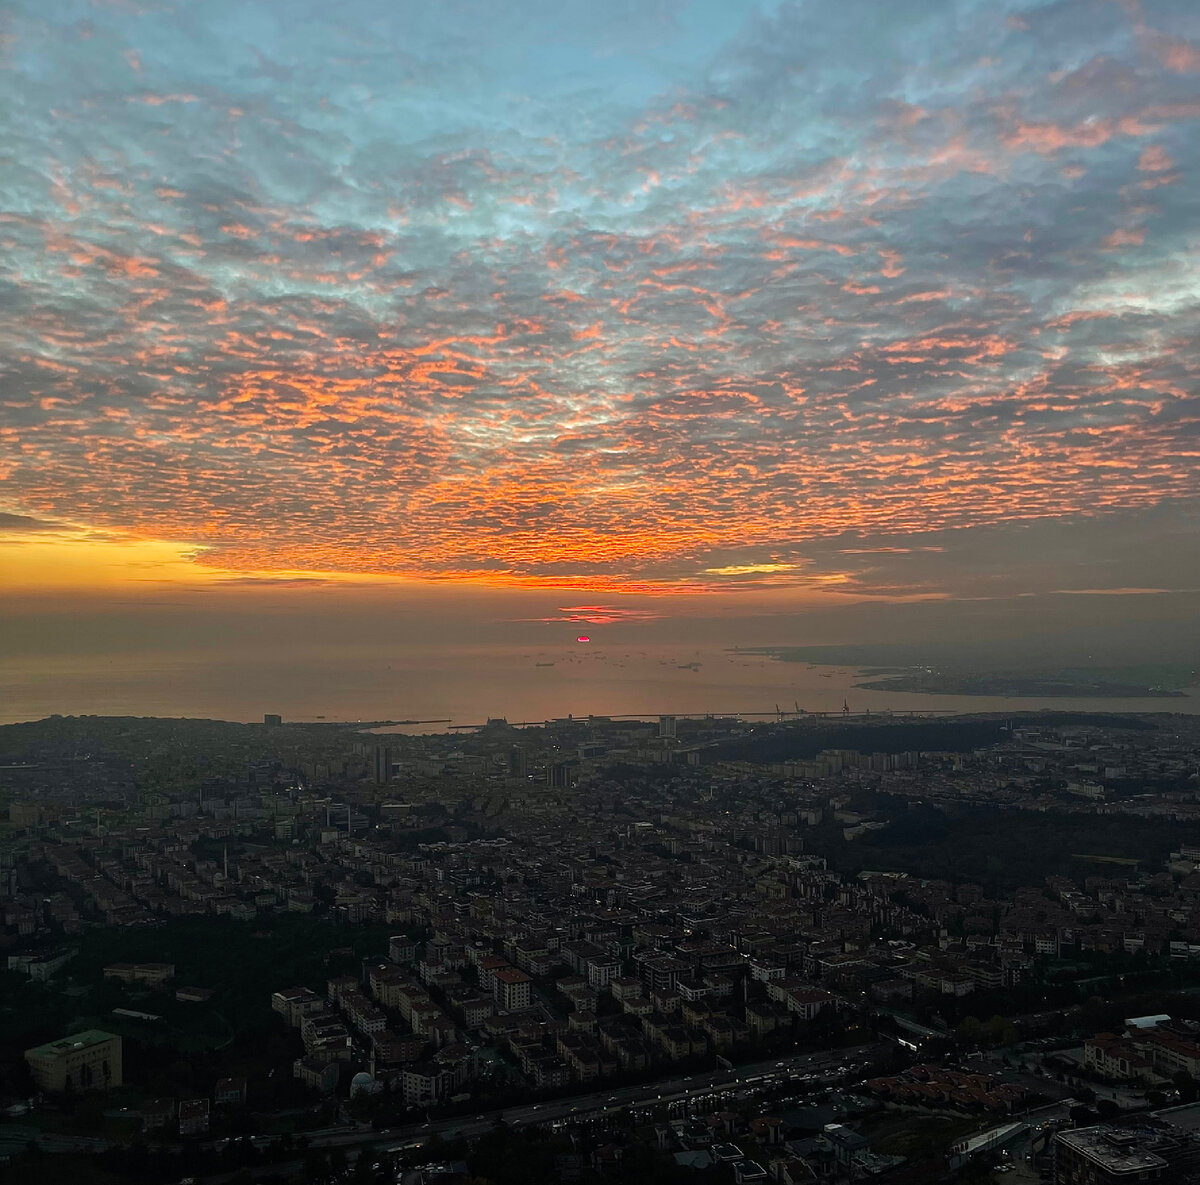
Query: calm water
467, 686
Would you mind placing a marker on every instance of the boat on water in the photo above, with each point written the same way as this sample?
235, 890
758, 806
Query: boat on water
543, 664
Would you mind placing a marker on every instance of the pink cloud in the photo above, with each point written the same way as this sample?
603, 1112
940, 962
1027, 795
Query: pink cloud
1181, 56
1155, 160
1047, 138
1124, 237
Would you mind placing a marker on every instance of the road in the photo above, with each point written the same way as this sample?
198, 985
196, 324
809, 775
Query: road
822, 1066
15, 1137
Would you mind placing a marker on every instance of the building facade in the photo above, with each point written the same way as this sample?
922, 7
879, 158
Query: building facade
90, 1060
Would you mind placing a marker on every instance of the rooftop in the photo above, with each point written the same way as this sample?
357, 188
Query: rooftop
1115, 1150
74, 1041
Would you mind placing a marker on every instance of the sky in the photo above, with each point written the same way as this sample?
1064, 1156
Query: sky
837, 321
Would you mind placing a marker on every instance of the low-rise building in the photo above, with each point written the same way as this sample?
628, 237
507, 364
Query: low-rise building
1107, 1156
317, 1072
193, 1117
90, 1060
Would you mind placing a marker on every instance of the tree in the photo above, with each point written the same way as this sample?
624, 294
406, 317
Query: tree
1000, 1031
968, 1031
1108, 1110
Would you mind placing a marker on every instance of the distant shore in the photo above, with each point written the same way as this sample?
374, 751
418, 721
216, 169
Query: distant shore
1148, 682
1031, 687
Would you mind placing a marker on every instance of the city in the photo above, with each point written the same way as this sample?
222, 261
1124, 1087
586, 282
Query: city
612, 949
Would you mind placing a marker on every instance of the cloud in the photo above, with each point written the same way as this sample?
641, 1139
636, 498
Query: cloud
762, 569
599, 614
23, 522
577, 297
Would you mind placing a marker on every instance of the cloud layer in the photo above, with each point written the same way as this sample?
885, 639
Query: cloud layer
631, 295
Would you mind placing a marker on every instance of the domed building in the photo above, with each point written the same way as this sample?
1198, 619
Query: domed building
362, 1083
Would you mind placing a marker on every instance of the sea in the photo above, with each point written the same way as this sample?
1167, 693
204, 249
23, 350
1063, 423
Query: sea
430, 689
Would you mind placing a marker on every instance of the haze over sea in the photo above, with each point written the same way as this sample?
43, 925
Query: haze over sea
469, 684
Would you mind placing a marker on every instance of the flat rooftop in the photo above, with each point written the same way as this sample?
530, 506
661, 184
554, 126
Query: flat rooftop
75, 1041
1185, 1117
1115, 1150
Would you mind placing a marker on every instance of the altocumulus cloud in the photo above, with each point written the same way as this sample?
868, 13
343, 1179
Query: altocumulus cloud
602, 295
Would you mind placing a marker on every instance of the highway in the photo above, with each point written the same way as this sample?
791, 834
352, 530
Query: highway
822, 1068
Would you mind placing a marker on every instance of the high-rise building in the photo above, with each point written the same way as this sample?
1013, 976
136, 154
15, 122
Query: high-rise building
513, 989
666, 726
272, 720
381, 765
561, 774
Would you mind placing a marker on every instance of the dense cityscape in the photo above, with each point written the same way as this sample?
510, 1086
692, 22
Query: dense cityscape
675, 949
